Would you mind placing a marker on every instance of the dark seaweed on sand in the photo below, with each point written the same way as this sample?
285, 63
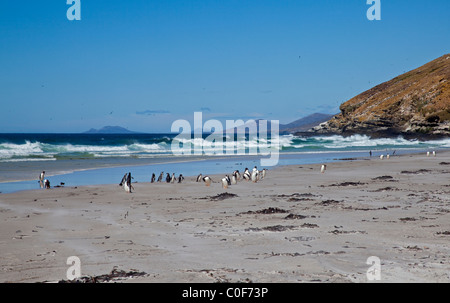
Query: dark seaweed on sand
113, 275
222, 196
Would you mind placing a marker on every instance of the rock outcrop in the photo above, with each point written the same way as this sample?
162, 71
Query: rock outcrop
414, 105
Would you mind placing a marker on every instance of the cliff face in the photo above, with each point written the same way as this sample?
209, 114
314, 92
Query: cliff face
415, 104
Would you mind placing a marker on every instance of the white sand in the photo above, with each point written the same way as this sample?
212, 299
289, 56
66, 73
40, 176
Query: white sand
177, 233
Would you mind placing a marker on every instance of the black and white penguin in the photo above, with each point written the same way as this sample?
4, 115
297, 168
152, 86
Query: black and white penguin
255, 175
127, 185
233, 178
207, 180
263, 174
168, 178
237, 174
180, 178
41, 176
161, 175
323, 168
46, 183
225, 182
199, 178
172, 180
124, 179
153, 178
246, 174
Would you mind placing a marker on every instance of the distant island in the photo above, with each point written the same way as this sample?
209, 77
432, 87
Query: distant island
305, 123
110, 130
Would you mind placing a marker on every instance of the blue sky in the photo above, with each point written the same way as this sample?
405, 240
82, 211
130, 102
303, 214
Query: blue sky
144, 64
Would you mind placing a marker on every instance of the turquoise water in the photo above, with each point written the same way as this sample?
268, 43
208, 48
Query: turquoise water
22, 149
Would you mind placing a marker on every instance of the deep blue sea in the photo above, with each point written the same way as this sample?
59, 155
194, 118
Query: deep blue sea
23, 149
45, 147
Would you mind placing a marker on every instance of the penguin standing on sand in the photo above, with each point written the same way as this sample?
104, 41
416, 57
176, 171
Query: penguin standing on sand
207, 180
254, 175
167, 177
180, 178
172, 180
263, 174
323, 168
226, 182
161, 175
237, 174
46, 183
124, 179
41, 176
233, 178
153, 178
246, 174
199, 178
127, 185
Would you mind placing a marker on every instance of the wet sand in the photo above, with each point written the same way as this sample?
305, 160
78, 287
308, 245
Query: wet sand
296, 225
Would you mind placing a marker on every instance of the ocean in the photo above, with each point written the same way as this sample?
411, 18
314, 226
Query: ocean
154, 150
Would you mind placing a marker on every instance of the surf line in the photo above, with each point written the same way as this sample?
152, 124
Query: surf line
236, 138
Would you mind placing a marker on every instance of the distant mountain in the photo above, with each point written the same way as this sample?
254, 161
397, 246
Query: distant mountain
301, 125
110, 130
415, 104
305, 124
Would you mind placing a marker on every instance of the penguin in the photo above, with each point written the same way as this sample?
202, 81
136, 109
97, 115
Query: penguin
387, 156
46, 183
263, 173
323, 168
127, 185
428, 153
225, 182
233, 178
381, 157
254, 176
172, 180
434, 153
199, 178
161, 175
237, 174
124, 179
168, 178
246, 174
153, 178
41, 176
207, 180
180, 178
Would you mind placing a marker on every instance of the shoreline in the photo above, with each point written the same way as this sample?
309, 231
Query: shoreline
296, 225
15, 173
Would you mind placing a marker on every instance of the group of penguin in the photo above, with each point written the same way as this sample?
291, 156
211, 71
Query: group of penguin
169, 179
44, 183
126, 183
126, 180
226, 181
253, 176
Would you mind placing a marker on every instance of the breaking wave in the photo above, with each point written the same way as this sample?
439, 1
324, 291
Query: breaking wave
34, 147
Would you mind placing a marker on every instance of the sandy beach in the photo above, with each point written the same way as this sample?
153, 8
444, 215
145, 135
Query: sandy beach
295, 225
